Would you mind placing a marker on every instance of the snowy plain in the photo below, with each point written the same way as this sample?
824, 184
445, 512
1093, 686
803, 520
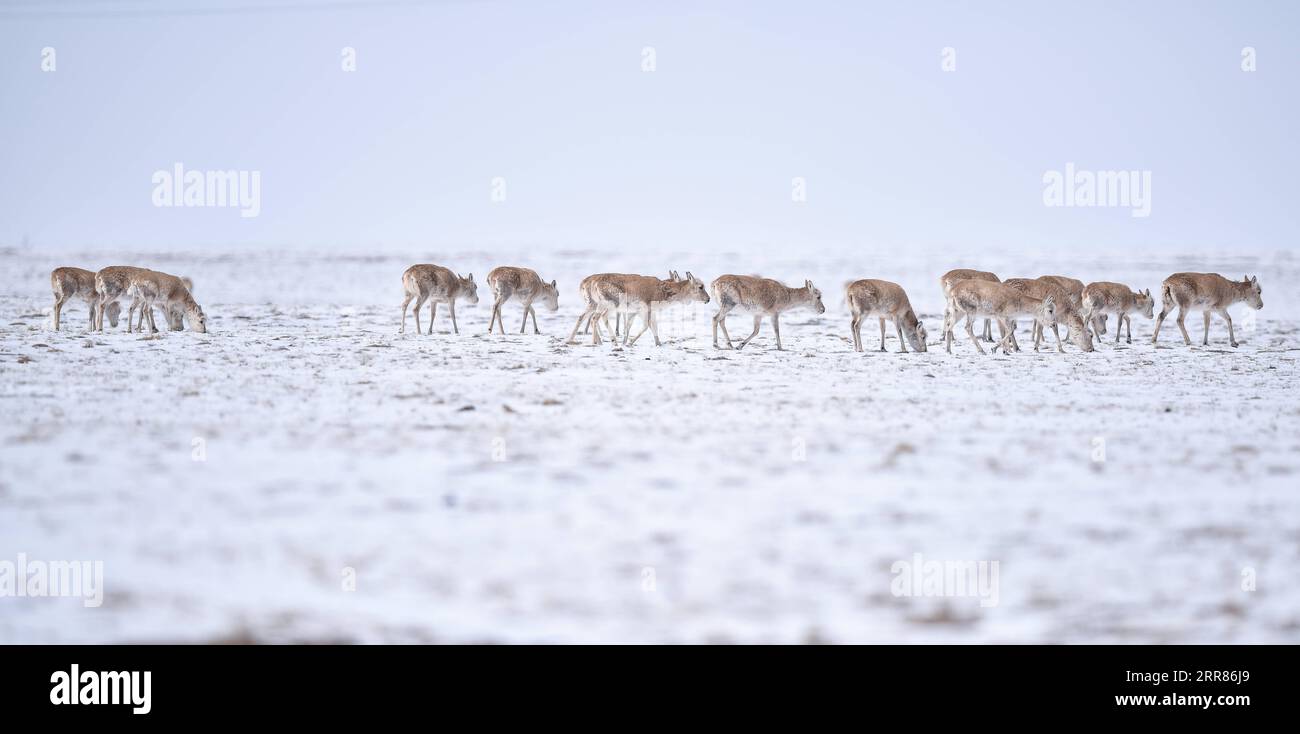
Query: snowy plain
517, 489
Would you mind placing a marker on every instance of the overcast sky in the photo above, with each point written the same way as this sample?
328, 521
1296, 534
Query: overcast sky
701, 152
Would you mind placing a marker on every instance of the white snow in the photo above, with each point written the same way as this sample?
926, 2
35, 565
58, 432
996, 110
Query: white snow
516, 489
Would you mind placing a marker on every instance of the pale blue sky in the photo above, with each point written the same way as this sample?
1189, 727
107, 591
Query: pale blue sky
698, 154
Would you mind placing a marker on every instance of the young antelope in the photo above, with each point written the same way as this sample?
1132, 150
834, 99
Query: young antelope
1205, 292
436, 284
884, 300
980, 298
510, 282
760, 297
68, 283
1114, 298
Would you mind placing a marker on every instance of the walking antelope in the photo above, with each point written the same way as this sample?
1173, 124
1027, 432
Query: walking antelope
953, 276
976, 298
638, 294
168, 292
68, 283
509, 282
436, 284
1205, 292
111, 283
621, 324
760, 297
1042, 288
885, 300
1107, 298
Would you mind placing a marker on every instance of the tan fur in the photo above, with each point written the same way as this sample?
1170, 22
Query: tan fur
1105, 297
436, 284
884, 300
175, 315
980, 298
1205, 292
1073, 288
526, 285
587, 291
634, 294
760, 297
1066, 313
68, 283
954, 276
151, 288
111, 283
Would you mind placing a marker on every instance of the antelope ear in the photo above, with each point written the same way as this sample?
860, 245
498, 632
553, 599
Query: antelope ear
689, 276
1050, 300
470, 278
1253, 280
553, 284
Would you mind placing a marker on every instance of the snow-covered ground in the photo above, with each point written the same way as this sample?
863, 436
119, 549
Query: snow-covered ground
513, 488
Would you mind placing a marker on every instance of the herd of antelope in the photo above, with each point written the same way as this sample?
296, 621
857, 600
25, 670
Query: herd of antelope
146, 288
970, 295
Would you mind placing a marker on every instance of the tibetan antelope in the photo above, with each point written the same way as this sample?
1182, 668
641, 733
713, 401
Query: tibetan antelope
1066, 313
436, 284
760, 297
586, 289
111, 283
885, 300
636, 294
70, 283
1205, 292
1073, 288
960, 274
175, 315
982, 298
1114, 298
168, 292
509, 282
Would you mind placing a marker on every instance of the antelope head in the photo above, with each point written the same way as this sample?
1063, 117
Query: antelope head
551, 296
469, 288
814, 297
1254, 294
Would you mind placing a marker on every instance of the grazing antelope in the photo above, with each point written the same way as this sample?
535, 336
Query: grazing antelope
975, 298
436, 284
1042, 288
1073, 288
885, 300
1107, 298
510, 282
168, 292
953, 276
174, 315
639, 294
68, 283
1205, 292
110, 284
760, 297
